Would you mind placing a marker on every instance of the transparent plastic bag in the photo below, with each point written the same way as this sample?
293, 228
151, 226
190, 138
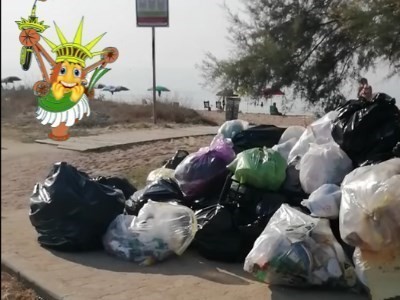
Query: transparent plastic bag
370, 208
323, 164
230, 128
158, 232
360, 266
292, 132
160, 173
319, 132
298, 250
204, 172
260, 168
324, 202
285, 147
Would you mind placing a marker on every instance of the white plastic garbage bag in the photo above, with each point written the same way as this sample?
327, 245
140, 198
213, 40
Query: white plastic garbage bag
298, 250
159, 231
292, 132
230, 128
323, 164
324, 202
285, 147
370, 208
160, 173
360, 266
319, 132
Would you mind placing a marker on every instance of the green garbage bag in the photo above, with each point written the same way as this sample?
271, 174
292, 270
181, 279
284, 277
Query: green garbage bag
260, 168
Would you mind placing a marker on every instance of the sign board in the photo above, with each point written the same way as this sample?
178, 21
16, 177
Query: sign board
152, 13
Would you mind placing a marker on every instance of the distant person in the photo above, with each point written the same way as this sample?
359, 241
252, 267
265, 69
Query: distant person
273, 110
223, 104
364, 90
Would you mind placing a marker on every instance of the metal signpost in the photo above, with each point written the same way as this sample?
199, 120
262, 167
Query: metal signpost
152, 13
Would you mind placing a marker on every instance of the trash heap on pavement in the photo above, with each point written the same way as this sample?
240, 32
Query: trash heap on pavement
294, 205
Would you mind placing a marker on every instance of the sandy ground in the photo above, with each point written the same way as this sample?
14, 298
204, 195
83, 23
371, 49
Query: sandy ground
219, 117
12, 289
25, 164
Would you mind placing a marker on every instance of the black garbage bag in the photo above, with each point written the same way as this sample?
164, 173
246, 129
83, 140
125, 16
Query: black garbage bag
227, 231
348, 250
204, 202
71, 211
383, 157
161, 190
257, 137
251, 217
118, 183
217, 238
252, 208
368, 131
173, 162
291, 187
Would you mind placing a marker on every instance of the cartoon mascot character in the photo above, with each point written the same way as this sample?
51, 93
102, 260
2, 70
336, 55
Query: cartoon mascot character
63, 96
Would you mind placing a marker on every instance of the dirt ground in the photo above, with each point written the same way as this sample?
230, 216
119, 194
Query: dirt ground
12, 289
24, 164
219, 118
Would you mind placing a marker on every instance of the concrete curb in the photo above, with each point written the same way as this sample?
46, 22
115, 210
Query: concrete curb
43, 292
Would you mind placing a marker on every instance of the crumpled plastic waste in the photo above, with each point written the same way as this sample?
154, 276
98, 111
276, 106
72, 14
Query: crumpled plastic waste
260, 168
323, 164
370, 207
160, 173
318, 132
324, 202
158, 232
203, 173
230, 128
298, 250
292, 132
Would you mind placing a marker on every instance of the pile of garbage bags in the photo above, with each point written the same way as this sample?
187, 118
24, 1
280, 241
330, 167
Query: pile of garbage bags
297, 206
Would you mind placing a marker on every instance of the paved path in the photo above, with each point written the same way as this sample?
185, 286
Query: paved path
95, 275
126, 138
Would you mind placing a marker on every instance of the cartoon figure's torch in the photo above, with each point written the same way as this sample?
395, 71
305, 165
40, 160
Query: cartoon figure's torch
32, 22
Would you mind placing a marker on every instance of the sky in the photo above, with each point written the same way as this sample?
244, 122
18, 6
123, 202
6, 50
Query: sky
196, 27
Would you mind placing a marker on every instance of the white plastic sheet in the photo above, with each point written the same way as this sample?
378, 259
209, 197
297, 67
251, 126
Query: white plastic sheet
323, 164
285, 147
370, 208
160, 173
324, 202
292, 132
319, 132
230, 128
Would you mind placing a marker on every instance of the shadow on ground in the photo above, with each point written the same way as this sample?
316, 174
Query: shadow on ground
189, 264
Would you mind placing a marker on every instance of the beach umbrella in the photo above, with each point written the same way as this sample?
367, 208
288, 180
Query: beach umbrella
227, 93
10, 79
121, 88
113, 89
269, 92
100, 86
159, 89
